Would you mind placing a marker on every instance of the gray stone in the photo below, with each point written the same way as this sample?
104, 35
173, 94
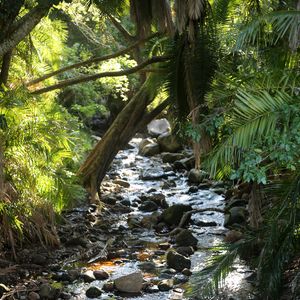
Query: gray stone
145, 142
148, 206
205, 224
186, 251
122, 183
88, 276
130, 283
165, 285
168, 157
147, 266
180, 278
197, 176
177, 261
186, 238
173, 214
153, 174
126, 202
236, 202
157, 127
101, 275
185, 163
168, 143
150, 150
93, 292
187, 272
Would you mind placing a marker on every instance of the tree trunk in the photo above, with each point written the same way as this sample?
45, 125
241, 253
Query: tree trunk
5, 68
118, 135
25, 26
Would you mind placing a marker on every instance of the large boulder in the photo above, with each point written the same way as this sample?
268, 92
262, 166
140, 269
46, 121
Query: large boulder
144, 143
168, 143
150, 150
157, 127
173, 214
130, 283
168, 157
197, 176
177, 261
185, 163
186, 238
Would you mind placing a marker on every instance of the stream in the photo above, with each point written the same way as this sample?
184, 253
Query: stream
132, 242
133, 247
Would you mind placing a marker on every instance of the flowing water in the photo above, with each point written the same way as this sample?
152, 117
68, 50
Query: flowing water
142, 244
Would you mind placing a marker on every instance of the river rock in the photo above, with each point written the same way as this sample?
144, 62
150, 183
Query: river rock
177, 261
108, 286
158, 198
101, 275
88, 276
144, 143
153, 174
187, 272
168, 157
165, 285
197, 176
148, 206
122, 183
130, 283
147, 266
93, 292
109, 199
184, 250
185, 163
186, 238
236, 215
168, 142
150, 150
157, 127
180, 278
173, 214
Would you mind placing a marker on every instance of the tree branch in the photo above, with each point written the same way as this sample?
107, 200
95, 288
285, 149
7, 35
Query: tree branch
89, 61
73, 81
127, 36
25, 26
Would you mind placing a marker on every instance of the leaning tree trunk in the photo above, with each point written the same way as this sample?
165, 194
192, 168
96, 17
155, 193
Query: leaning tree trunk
118, 135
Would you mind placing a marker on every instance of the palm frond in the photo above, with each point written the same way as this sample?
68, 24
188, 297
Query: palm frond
254, 116
269, 28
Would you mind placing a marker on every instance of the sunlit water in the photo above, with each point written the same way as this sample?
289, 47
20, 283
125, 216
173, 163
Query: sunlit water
128, 165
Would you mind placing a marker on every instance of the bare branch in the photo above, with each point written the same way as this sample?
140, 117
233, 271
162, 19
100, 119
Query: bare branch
73, 81
127, 36
90, 61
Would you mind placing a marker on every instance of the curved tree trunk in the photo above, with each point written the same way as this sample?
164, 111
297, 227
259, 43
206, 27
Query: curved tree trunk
118, 135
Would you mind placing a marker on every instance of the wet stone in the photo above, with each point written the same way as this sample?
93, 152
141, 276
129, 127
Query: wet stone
197, 176
108, 287
65, 295
186, 238
157, 127
186, 251
130, 283
101, 275
177, 261
93, 292
173, 214
148, 206
122, 183
147, 266
186, 272
180, 278
88, 276
126, 202
165, 285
